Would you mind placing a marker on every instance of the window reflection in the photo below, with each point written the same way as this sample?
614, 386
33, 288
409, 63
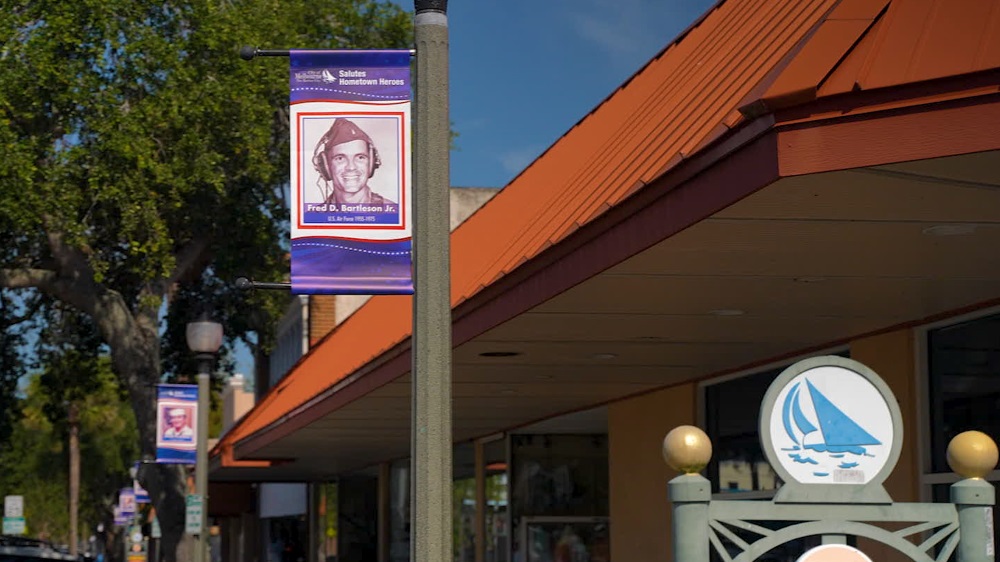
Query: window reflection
732, 412
964, 377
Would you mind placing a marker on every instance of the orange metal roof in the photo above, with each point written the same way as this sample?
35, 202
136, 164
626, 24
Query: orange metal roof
865, 45
785, 51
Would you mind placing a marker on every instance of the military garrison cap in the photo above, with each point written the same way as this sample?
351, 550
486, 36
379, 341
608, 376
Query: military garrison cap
344, 130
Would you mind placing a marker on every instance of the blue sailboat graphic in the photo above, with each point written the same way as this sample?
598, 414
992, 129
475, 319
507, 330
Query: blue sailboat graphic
838, 433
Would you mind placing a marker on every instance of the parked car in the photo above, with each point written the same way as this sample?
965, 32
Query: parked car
20, 549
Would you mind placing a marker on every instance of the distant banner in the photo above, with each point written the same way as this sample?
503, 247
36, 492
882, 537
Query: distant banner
126, 502
351, 222
176, 423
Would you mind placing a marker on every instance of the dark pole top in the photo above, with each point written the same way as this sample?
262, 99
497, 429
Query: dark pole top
430, 6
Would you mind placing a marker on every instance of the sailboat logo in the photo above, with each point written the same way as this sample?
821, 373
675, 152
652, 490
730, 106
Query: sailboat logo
830, 441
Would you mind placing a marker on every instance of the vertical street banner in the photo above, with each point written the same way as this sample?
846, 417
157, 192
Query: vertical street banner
351, 220
176, 423
126, 503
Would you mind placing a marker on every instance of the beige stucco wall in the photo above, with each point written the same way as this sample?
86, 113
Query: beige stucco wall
640, 519
892, 356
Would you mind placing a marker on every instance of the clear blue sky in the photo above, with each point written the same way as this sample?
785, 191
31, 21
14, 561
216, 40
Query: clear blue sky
523, 72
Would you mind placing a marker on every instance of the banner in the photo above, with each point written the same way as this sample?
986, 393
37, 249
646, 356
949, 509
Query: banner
176, 423
126, 503
351, 222
119, 518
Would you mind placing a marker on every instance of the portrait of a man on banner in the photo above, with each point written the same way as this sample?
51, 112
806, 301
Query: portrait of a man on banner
176, 428
349, 166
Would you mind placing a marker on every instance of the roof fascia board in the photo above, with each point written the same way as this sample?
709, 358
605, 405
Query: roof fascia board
922, 132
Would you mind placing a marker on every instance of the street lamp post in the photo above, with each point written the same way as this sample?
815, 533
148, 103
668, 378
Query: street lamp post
204, 338
431, 438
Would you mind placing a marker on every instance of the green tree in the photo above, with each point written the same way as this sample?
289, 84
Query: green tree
12, 362
36, 463
145, 163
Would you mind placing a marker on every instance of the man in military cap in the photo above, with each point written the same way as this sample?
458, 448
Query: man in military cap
346, 158
178, 427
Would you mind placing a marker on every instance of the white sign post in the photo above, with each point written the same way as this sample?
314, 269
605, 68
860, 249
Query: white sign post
13, 506
192, 516
13, 515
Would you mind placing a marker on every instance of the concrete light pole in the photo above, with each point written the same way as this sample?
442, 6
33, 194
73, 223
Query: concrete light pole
430, 512
204, 337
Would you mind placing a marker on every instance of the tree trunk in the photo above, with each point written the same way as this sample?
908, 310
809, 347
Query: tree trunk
74, 476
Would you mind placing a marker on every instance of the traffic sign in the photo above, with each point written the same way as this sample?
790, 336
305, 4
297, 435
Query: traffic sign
192, 515
13, 506
13, 526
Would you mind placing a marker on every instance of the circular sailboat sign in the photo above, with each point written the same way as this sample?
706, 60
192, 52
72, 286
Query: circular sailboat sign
830, 420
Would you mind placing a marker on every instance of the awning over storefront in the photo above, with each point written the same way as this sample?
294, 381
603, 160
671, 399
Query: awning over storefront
784, 176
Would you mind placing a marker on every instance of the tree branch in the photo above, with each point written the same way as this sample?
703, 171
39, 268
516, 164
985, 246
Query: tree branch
41, 279
190, 260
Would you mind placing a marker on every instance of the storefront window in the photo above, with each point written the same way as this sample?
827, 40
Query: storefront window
963, 368
327, 519
464, 519
964, 381
562, 479
399, 511
732, 412
464, 505
497, 524
285, 538
357, 536
497, 536
463, 495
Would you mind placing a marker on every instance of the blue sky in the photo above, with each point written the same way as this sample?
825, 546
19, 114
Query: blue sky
522, 72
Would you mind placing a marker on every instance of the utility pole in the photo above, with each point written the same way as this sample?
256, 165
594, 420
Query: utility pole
204, 337
201, 458
431, 440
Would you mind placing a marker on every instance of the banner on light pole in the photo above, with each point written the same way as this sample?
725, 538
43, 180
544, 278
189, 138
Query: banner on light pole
176, 423
351, 223
126, 503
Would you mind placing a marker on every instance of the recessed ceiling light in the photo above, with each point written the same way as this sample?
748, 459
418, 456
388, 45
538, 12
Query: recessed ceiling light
507, 391
499, 353
950, 230
726, 312
604, 356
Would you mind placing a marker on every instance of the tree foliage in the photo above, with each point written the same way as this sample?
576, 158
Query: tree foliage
145, 164
36, 463
12, 362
